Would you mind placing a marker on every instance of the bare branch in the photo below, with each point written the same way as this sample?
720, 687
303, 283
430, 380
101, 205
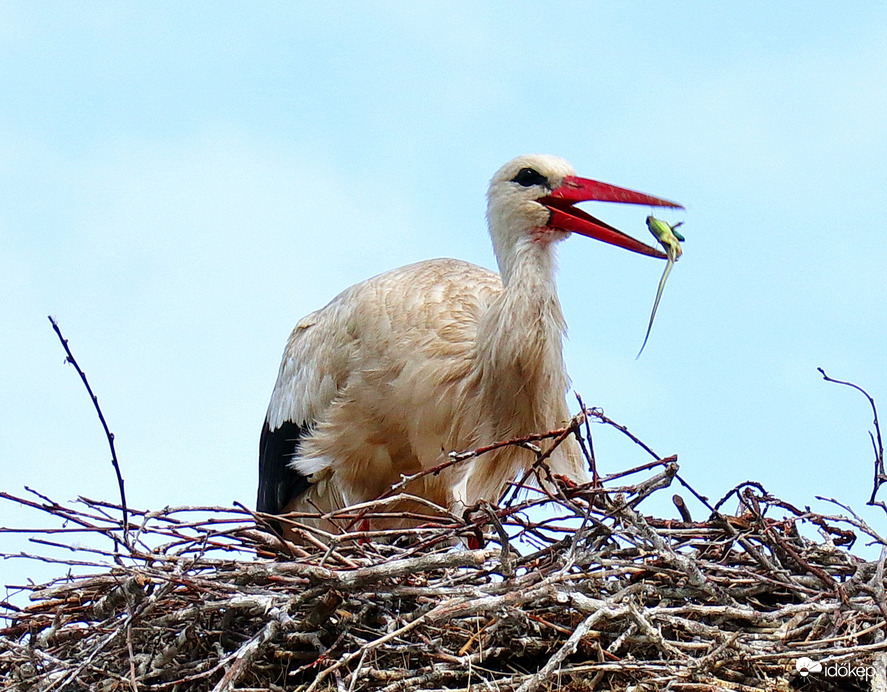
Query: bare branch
108, 434
877, 443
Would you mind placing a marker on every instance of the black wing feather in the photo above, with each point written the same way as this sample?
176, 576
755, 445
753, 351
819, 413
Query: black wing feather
278, 483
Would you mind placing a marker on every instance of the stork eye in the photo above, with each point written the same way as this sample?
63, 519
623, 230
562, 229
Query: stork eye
529, 177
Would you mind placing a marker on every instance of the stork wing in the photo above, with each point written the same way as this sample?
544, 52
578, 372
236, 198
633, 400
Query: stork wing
395, 343
313, 368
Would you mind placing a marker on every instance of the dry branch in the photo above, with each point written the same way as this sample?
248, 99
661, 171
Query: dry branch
880, 477
69, 358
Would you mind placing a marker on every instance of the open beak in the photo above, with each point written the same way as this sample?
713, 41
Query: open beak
566, 217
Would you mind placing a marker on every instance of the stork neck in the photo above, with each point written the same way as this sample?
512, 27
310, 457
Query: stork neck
520, 343
529, 263
529, 302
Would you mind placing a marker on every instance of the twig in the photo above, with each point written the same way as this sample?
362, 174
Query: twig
589, 451
599, 414
241, 659
569, 646
682, 508
108, 434
877, 443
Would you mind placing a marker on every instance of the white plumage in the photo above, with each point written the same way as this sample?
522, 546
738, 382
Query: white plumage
400, 369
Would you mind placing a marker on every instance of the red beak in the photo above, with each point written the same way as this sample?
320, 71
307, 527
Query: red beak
566, 217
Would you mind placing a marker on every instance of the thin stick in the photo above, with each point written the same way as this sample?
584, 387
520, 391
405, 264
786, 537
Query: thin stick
877, 443
108, 434
599, 414
589, 450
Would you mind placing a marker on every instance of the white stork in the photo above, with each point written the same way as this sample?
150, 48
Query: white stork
441, 355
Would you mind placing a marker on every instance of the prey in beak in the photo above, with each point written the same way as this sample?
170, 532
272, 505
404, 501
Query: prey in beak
566, 217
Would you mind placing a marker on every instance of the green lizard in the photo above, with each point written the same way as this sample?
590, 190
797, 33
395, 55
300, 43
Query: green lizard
671, 240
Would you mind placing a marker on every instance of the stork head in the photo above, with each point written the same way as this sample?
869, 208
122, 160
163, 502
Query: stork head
531, 200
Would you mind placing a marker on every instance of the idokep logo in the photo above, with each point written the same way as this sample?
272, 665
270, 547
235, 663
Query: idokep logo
805, 666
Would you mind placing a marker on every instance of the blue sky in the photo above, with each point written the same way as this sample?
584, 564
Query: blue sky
180, 183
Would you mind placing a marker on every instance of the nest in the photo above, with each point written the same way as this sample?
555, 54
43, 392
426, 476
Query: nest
572, 587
